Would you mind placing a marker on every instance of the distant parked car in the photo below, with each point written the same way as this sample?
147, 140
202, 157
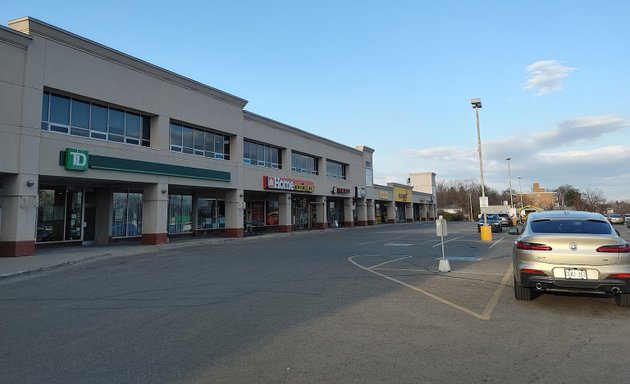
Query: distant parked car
627, 219
615, 218
505, 219
570, 251
493, 220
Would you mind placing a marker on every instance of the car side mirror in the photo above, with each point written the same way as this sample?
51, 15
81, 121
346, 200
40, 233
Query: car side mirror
514, 231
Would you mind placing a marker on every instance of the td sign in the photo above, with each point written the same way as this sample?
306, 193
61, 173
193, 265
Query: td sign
76, 159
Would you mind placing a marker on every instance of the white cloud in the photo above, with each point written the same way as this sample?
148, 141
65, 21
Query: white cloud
612, 153
580, 129
546, 76
583, 152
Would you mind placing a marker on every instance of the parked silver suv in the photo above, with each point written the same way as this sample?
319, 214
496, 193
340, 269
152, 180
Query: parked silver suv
570, 251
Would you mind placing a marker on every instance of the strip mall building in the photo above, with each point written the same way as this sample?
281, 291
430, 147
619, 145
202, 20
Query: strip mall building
100, 147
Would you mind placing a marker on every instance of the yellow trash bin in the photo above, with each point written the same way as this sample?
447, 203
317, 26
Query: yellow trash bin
486, 233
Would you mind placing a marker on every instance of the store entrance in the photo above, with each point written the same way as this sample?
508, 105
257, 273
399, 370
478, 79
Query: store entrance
304, 215
89, 229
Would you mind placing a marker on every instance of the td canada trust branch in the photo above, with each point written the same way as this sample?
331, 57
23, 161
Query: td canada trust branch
100, 147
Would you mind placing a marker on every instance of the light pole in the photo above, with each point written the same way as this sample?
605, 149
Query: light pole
510, 181
520, 193
476, 104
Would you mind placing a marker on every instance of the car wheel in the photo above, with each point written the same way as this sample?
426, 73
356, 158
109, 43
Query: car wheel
623, 299
501, 229
523, 293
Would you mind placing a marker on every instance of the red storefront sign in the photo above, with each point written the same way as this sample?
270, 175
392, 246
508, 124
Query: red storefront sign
287, 184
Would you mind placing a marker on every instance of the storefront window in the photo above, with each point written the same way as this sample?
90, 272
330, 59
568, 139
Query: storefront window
51, 214
60, 214
257, 213
272, 213
210, 214
127, 214
74, 215
179, 213
379, 213
335, 214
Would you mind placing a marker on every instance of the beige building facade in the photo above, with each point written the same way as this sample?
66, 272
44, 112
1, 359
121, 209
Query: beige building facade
101, 147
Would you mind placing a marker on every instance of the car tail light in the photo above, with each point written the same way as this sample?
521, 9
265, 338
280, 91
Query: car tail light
532, 246
532, 272
619, 276
624, 248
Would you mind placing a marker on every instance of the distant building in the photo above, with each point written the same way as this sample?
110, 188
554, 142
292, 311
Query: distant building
538, 197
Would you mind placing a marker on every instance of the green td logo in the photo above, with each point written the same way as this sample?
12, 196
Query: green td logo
76, 159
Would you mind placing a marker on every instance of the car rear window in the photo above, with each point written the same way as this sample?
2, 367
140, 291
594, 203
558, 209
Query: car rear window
570, 226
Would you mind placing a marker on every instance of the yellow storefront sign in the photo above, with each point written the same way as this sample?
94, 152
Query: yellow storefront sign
402, 195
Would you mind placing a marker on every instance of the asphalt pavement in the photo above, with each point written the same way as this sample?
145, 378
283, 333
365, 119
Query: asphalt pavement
51, 258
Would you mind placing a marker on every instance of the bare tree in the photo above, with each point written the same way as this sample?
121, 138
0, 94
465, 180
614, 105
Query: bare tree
593, 200
465, 195
568, 196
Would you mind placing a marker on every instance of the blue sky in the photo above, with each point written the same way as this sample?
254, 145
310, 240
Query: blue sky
398, 76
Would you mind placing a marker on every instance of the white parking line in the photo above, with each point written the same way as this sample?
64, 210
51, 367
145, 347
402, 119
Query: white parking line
484, 315
387, 262
497, 242
453, 239
381, 241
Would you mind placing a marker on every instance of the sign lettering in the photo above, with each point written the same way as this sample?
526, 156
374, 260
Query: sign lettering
286, 184
76, 159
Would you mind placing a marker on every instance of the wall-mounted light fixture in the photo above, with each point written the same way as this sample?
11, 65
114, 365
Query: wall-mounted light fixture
30, 183
164, 190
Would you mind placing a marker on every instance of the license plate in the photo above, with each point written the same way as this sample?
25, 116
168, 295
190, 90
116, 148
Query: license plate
575, 274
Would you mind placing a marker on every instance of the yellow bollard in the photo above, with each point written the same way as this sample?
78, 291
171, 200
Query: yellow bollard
486, 233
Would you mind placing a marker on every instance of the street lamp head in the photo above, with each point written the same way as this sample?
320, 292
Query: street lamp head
476, 102
508, 158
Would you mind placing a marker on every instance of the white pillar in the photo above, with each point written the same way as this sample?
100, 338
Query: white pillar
19, 215
155, 214
409, 212
234, 213
321, 212
391, 212
371, 213
285, 223
362, 212
348, 217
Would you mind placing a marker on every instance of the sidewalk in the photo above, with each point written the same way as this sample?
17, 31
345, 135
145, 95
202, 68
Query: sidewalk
52, 258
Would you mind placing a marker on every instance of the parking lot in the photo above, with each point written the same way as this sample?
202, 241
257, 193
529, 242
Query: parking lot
481, 271
359, 305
